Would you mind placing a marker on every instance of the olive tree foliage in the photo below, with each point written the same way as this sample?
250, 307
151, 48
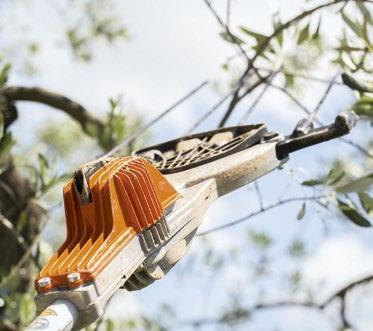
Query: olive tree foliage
30, 179
283, 60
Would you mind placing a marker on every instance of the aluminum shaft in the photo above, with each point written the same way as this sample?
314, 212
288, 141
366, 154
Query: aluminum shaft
59, 316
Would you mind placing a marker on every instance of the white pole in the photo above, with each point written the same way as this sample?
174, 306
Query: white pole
61, 315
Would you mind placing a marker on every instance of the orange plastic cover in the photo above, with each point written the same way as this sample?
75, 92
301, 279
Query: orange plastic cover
128, 196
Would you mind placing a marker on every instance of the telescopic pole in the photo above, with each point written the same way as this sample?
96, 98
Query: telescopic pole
61, 315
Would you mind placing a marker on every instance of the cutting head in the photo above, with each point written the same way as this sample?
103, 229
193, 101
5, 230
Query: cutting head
130, 219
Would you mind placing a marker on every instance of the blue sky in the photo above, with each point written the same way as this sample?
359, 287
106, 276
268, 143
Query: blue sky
173, 46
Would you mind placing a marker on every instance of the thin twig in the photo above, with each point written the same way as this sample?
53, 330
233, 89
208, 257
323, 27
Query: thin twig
143, 128
5, 223
226, 28
315, 111
23, 259
292, 97
259, 195
249, 312
206, 115
257, 212
357, 146
236, 97
257, 99
228, 16
340, 294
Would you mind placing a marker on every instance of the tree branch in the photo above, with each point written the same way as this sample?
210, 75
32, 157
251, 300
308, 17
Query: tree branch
245, 313
261, 48
341, 293
236, 98
257, 212
8, 226
55, 100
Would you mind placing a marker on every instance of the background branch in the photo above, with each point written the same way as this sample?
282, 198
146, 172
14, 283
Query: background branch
55, 100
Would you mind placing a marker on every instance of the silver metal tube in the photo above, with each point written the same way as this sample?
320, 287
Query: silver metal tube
61, 315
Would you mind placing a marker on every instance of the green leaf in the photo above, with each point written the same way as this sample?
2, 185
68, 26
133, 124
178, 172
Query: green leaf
43, 162
109, 325
354, 26
296, 249
260, 239
43, 168
4, 73
225, 66
6, 143
277, 24
26, 308
365, 12
367, 202
316, 34
231, 38
357, 185
301, 212
1, 124
353, 214
289, 80
22, 221
364, 106
312, 182
259, 37
304, 34
33, 47
348, 49
361, 86
334, 176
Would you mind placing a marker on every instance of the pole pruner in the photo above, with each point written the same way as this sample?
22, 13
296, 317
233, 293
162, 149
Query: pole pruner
130, 219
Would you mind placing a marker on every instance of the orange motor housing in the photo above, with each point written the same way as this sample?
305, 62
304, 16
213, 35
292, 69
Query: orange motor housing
128, 196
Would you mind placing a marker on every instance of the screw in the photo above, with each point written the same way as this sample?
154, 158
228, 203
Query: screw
44, 282
74, 277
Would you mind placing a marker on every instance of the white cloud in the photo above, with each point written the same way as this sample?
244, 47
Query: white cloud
339, 260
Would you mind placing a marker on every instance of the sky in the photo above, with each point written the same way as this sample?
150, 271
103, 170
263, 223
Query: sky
173, 47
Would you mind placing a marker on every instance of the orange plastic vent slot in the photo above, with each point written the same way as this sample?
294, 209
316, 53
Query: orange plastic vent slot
128, 198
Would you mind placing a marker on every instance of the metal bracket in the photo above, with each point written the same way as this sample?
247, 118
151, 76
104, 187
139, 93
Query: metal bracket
342, 125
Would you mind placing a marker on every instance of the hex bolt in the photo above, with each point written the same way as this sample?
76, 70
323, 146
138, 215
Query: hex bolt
74, 277
44, 282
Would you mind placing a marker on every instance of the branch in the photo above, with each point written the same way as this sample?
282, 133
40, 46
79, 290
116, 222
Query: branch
236, 98
245, 313
262, 47
342, 292
314, 112
58, 101
204, 116
285, 26
299, 75
23, 260
257, 212
226, 27
8, 226
257, 99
